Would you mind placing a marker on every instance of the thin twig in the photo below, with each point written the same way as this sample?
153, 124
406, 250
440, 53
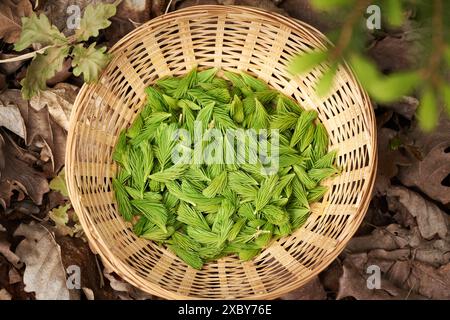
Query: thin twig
168, 7
347, 29
25, 56
436, 57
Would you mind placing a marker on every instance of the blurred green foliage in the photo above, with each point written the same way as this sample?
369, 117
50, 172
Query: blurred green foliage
429, 79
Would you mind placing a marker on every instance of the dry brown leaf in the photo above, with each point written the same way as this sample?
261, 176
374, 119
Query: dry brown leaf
431, 282
313, 290
5, 295
388, 160
390, 238
58, 100
10, 67
429, 174
353, 282
406, 106
124, 290
14, 276
44, 119
44, 272
18, 169
304, 11
11, 117
89, 294
75, 251
430, 219
395, 53
11, 12
129, 13
5, 249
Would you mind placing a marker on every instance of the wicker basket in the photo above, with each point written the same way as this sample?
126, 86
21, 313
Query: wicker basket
230, 38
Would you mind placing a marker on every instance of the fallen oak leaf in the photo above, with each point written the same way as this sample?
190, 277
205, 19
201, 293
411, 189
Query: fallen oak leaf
11, 118
389, 160
10, 15
75, 251
10, 67
18, 171
59, 101
14, 276
430, 219
58, 183
6, 251
354, 281
5, 295
124, 290
43, 67
430, 173
44, 272
42, 131
89, 61
38, 29
57, 13
95, 18
313, 290
59, 215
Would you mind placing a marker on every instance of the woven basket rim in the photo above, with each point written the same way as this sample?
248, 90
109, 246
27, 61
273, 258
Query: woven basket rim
118, 266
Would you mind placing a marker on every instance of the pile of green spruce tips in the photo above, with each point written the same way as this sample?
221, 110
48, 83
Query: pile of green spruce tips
202, 211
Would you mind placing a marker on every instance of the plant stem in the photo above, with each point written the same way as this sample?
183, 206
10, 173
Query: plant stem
347, 29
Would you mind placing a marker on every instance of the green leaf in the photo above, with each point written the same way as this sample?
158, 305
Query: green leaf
325, 83
317, 193
303, 127
445, 89
95, 18
304, 178
265, 192
170, 174
304, 62
275, 215
185, 242
447, 55
284, 121
89, 61
43, 67
254, 83
191, 258
394, 11
154, 233
38, 29
327, 5
191, 217
319, 174
59, 215
237, 109
186, 82
217, 185
427, 112
202, 235
382, 88
154, 211
365, 70
123, 202
207, 76
393, 87
58, 183
298, 216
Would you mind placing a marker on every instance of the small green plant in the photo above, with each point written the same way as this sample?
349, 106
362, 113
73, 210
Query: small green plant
86, 60
429, 79
189, 180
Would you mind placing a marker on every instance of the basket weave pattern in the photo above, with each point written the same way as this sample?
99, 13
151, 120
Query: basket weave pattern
232, 38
